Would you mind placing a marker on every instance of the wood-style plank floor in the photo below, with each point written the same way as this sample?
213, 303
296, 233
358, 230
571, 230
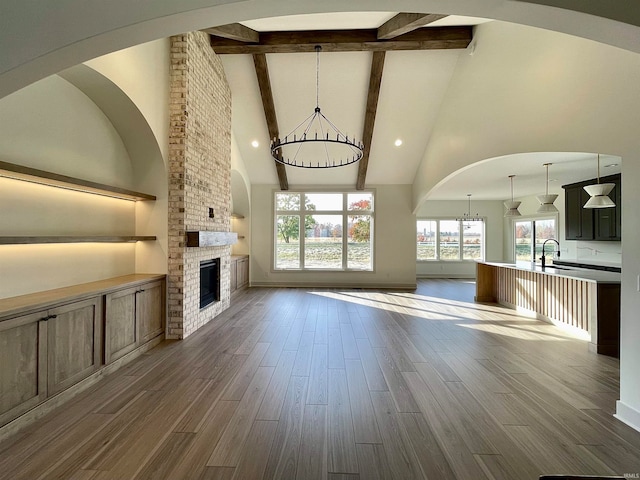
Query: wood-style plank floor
344, 384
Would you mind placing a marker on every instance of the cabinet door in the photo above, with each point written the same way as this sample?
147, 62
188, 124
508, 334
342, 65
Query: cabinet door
233, 275
608, 220
23, 364
120, 324
578, 221
74, 332
150, 311
243, 272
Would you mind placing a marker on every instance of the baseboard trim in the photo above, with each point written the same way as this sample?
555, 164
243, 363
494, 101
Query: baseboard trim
627, 415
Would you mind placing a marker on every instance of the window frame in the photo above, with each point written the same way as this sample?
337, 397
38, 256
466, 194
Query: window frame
483, 245
532, 219
302, 212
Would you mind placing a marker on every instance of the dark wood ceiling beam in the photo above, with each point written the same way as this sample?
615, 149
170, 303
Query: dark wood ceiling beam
347, 41
235, 31
404, 23
262, 72
375, 80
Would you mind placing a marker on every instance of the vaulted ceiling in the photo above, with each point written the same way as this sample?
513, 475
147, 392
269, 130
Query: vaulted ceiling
382, 79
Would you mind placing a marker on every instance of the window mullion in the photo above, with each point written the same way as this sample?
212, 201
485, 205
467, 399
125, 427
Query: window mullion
460, 239
438, 240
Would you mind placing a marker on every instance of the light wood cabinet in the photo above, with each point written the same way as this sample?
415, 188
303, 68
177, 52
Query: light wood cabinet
74, 337
45, 352
239, 275
23, 369
133, 316
150, 311
51, 341
120, 324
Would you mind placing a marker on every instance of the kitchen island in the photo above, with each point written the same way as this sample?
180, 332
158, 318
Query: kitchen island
587, 301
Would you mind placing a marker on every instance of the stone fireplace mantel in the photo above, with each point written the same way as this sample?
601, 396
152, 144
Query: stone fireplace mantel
211, 239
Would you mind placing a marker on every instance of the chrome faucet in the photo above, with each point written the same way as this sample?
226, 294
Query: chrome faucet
557, 252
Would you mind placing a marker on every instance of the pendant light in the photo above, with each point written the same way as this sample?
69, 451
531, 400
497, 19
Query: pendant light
599, 193
512, 205
546, 200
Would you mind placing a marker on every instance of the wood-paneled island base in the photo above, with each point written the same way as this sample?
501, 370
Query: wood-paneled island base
588, 301
56, 343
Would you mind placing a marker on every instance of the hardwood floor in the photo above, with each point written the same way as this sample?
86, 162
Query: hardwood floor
344, 384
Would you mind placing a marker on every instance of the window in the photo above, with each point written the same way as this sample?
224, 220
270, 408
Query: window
337, 231
529, 235
449, 239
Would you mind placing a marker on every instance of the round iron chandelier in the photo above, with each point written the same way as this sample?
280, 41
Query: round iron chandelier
316, 142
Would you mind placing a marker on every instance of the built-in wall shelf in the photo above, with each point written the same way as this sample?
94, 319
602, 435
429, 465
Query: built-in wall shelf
33, 175
15, 240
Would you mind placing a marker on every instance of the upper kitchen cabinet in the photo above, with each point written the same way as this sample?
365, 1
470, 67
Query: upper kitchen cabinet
608, 221
601, 224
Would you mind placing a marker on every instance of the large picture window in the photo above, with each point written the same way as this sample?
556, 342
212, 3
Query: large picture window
449, 239
323, 231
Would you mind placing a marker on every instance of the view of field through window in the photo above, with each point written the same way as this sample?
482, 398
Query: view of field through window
337, 231
448, 239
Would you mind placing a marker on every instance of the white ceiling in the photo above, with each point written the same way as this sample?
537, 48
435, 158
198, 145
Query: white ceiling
413, 86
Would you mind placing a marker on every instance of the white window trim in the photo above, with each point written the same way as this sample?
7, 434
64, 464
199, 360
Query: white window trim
531, 218
461, 230
345, 213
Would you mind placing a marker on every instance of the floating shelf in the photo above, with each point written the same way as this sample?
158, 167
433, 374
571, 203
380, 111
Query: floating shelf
241, 237
237, 216
74, 239
27, 174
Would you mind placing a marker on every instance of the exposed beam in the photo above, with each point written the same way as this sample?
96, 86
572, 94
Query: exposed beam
375, 79
235, 31
347, 41
262, 72
404, 23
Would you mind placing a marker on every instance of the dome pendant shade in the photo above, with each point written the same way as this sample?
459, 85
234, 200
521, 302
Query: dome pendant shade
599, 193
512, 208
546, 203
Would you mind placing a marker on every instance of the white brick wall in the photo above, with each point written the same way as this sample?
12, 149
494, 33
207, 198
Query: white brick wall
199, 177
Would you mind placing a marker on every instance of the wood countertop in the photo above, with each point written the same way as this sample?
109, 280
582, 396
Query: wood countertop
12, 306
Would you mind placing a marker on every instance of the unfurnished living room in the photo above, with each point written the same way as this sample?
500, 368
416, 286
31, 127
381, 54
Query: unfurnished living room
346, 240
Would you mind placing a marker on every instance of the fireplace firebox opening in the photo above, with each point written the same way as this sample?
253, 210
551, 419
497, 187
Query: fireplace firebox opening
209, 282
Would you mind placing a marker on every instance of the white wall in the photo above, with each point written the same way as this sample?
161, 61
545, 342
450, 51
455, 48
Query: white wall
142, 74
54, 127
87, 130
394, 243
491, 210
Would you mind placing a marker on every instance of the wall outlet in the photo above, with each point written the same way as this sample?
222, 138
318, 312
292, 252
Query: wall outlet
211, 214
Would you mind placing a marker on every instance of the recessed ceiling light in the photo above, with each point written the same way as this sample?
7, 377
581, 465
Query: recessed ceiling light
611, 165
255, 144
398, 142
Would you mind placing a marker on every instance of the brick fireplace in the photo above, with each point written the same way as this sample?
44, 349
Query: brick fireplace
199, 178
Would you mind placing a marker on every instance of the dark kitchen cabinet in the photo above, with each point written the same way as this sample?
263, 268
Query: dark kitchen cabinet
608, 221
601, 224
578, 221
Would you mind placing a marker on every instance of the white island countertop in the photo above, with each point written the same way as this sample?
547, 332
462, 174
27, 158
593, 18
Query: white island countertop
596, 276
